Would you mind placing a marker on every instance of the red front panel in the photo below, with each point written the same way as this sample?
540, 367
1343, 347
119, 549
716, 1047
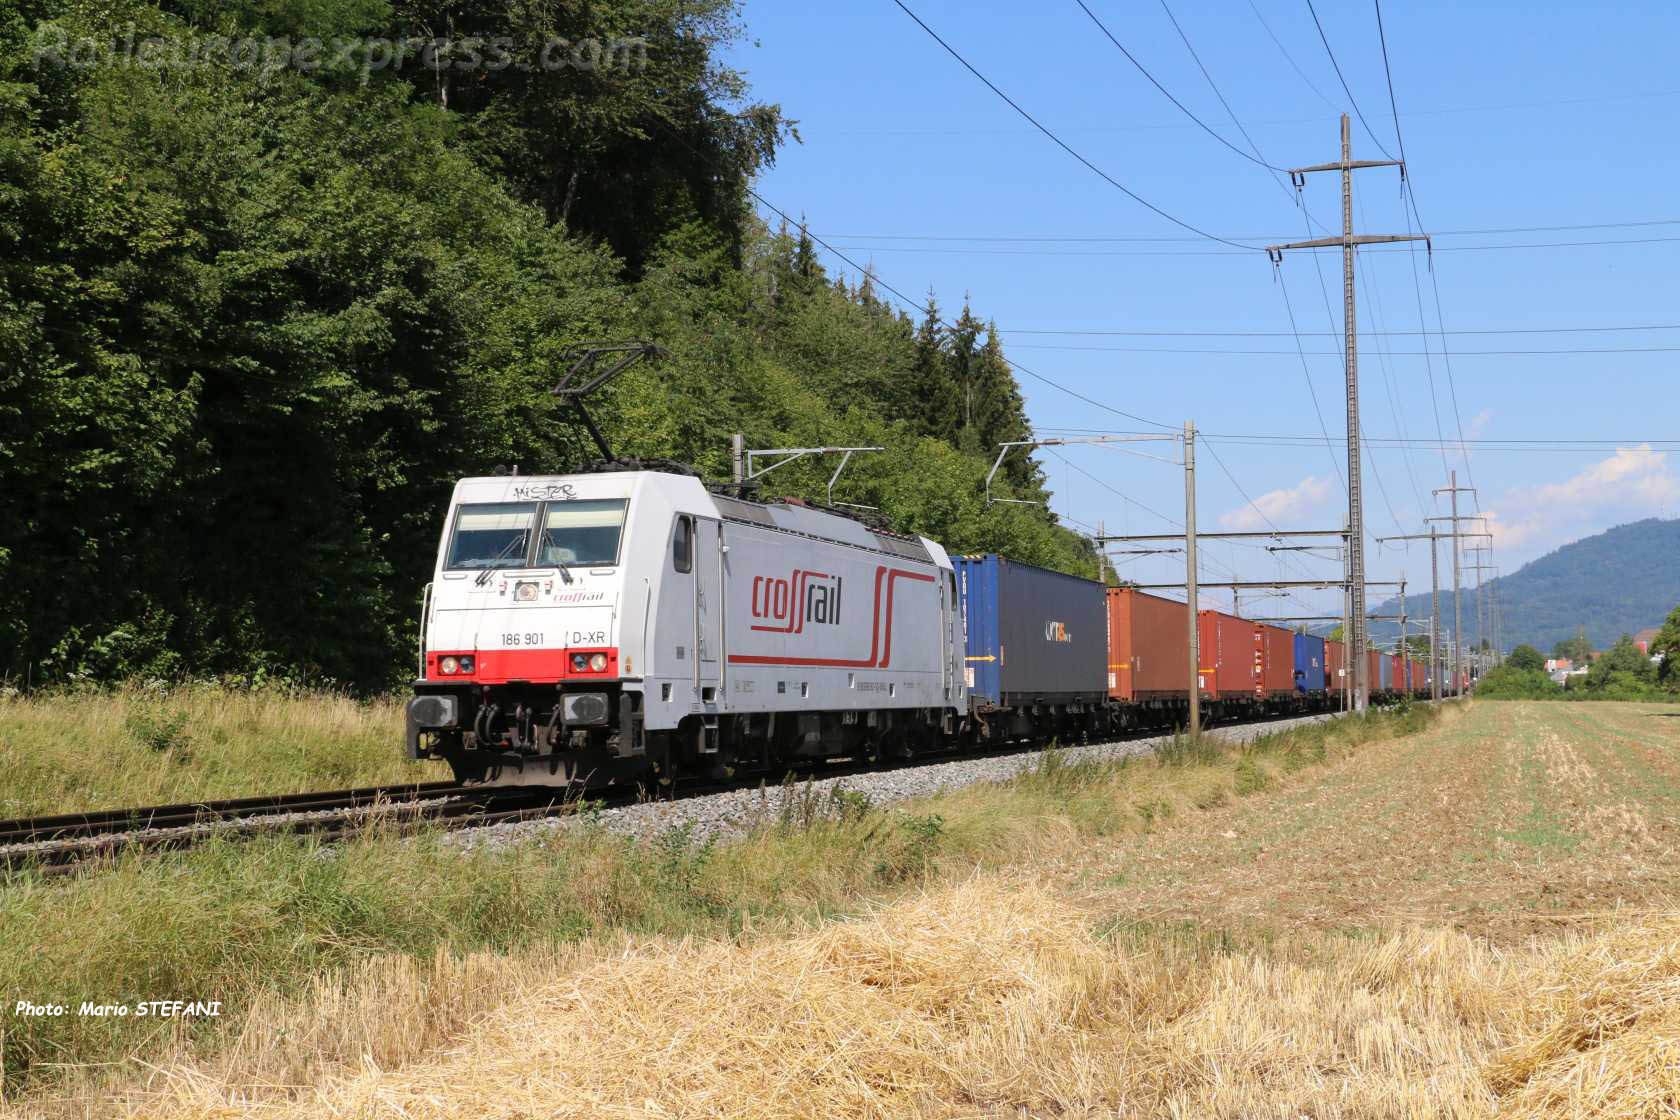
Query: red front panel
539, 666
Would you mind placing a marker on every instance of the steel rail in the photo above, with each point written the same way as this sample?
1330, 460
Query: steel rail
61, 844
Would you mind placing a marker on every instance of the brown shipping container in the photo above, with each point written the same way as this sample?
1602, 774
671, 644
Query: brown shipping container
1276, 647
1227, 649
1335, 660
1373, 671
1148, 646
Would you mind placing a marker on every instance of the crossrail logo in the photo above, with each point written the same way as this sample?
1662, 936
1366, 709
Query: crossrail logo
790, 603
1056, 632
815, 597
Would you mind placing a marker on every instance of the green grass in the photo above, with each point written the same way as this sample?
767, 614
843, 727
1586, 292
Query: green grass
144, 745
234, 920
1541, 828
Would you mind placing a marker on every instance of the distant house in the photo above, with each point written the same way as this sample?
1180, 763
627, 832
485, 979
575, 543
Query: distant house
1644, 639
1559, 665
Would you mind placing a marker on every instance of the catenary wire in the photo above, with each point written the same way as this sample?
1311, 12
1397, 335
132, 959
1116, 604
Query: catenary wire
1306, 373
1426, 332
1337, 66
1165, 92
767, 204
1060, 143
1244, 249
1287, 57
1268, 238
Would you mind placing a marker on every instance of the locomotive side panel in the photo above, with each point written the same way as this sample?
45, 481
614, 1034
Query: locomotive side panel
814, 625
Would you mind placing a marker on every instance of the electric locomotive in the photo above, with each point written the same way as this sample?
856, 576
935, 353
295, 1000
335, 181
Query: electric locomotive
632, 624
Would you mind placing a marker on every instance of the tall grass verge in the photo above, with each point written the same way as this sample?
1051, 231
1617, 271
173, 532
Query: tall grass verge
155, 744
251, 922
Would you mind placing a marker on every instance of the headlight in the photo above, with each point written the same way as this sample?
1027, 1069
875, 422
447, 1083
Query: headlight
466, 664
432, 711
586, 707
580, 662
598, 663
525, 592
449, 665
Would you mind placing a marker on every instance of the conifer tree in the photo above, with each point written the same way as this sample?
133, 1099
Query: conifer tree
963, 360
932, 405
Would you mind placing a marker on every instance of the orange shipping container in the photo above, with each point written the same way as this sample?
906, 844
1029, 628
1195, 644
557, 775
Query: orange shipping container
1274, 666
1335, 660
1227, 649
1148, 646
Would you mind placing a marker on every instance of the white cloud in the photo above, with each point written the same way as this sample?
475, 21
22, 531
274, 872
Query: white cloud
1479, 423
1634, 482
1280, 506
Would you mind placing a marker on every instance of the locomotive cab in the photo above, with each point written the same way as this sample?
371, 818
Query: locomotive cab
522, 664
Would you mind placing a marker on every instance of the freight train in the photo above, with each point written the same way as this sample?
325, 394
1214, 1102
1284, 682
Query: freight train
635, 626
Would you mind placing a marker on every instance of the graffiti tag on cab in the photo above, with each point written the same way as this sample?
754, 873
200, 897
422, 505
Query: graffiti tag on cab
545, 492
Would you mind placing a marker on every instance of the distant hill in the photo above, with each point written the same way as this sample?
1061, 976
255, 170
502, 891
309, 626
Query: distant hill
1615, 583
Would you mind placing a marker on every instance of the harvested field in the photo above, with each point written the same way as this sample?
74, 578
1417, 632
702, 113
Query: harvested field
1476, 920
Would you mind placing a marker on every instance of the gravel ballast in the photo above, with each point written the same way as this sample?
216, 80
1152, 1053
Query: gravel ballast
721, 815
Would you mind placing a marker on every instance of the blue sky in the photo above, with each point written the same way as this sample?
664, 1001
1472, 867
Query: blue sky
1512, 116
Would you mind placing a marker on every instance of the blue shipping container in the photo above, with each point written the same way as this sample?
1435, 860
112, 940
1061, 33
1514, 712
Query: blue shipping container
1309, 663
1033, 635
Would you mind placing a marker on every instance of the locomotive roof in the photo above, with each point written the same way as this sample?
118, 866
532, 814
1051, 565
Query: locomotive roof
814, 522
820, 524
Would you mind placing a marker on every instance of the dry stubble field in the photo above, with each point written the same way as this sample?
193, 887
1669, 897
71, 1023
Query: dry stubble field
1477, 920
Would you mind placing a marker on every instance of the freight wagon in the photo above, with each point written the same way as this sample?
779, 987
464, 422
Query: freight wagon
1148, 657
1274, 666
1226, 644
1036, 651
1310, 675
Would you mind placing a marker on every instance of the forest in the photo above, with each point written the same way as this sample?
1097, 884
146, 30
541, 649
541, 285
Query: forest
260, 308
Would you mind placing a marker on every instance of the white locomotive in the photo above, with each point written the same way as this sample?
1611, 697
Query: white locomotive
630, 624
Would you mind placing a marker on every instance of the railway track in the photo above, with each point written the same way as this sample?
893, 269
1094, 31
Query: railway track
61, 843
65, 842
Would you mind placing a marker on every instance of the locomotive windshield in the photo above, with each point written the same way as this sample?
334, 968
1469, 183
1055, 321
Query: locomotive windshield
499, 534
492, 535
583, 533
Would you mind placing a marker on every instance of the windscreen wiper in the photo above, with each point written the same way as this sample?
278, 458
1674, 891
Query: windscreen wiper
547, 541
507, 550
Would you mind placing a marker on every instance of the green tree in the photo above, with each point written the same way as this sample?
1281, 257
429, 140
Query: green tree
1577, 649
1622, 672
1526, 658
256, 324
1667, 645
